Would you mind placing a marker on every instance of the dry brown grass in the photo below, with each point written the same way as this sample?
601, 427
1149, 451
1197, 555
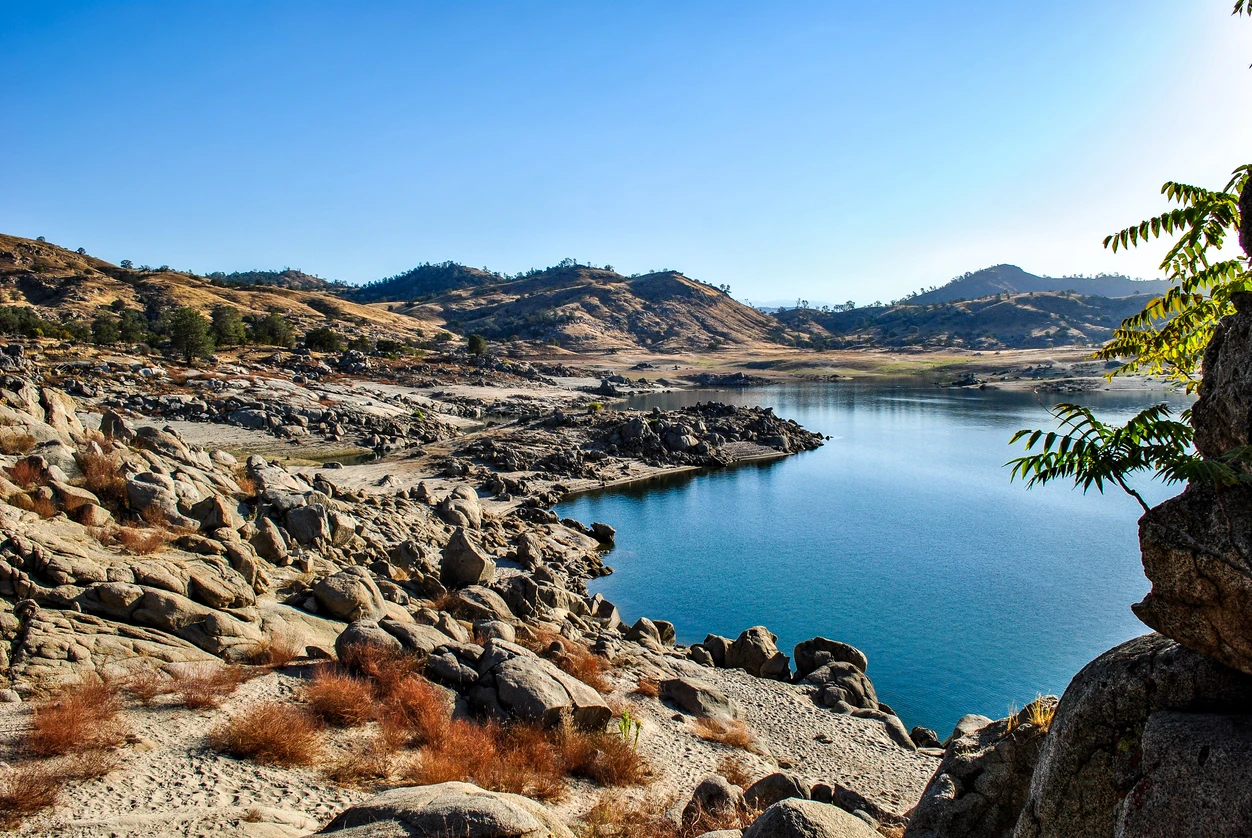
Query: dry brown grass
1040, 713
734, 734
80, 718
140, 542
27, 789
518, 759
648, 687
385, 667
205, 686
414, 712
276, 650
102, 476
147, 685
604, 758
616, 816
447, 601
736, 770
572, 658
14, 444
43, 507
26, 474
271, 733
891, 831
249, 486
365, 764
340, 699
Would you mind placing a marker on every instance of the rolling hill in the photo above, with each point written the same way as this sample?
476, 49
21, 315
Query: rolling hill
587, 308
1013, 321
1013, 280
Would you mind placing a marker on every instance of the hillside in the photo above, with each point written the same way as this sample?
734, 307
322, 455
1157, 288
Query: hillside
61, 285
1020, 321
424, 281
580, 307
287, 278
1013, 280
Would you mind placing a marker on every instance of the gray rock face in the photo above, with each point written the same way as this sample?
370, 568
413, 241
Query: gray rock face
465, 563
781, 785
350, 595
215, 512
714, 797
269, 542
966, 725
699, 698
815, 653
981, 784
843, 682
309, 523
645, 632
155, 494
447, 809
462, 509
364, 633
530, 688
479, 603
808, 819
755, 652
1206, 757
1094, 755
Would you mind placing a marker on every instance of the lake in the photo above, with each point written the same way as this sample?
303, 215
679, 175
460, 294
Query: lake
902, 536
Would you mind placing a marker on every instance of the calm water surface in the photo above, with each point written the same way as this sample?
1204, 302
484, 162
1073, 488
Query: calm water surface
902, 536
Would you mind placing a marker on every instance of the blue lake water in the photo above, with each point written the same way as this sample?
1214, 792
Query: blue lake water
902, 536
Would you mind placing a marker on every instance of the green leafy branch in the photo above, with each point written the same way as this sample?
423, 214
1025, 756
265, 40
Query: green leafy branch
1093, 453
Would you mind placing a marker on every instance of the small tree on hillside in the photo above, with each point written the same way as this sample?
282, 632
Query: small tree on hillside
273, 330
228, 328
323, 339
132, 326
477, 344
190, 334
105, 329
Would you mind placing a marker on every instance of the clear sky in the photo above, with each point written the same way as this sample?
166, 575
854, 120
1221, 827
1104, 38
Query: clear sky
830, 150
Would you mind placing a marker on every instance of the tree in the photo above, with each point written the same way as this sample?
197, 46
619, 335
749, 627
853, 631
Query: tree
190, 334
322, 339
273, 330
127, 264
1167, 338
228, 328
477, 344
105, 330
132, 326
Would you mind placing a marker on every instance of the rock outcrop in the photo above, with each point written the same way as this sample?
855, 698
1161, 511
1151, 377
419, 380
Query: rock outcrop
447, 809
808, 819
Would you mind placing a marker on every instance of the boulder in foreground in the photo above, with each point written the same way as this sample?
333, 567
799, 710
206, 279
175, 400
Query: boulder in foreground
447, 810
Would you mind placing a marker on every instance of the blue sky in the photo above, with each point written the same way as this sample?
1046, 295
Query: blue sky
829, 150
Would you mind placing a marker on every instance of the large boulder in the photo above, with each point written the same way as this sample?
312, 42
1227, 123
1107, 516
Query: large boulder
447, 810
155, 496
714, 798
364, 634
819, 651
522, 685
981, 784
1097, 752
308, 524
777, 786
755, 652
841, 685
699, 698
794, 818
462, 509
350, 595
465, 563
269, 543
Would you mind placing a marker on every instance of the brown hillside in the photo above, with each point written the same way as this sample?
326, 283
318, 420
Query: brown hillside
587, 308
63, 284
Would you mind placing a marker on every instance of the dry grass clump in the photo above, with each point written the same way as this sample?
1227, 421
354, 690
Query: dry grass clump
270, 733
371, 762
518, 759
80, 718
891, 831
734, 734
340, 699
43, 507
615, 815
206, 686
571, 658
1040, 713
140, 542
736, 770
276, 650
604, 758
414, 712
385, 667
26, 474
249, 486
647, 687
102, 476
13, 444
27, 789
147, 685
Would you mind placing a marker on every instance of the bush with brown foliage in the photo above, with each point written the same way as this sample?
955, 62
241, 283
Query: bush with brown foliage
571, 658
648, 688
80, 718
43, 507
26, 474
340, 699
102, 476
734, 734
518, 759
413, 712
271, 733
27, 789
207, 685
383, 666
276, 650
616, 816
369, 762
147, 685
604, 758
140, 542
17, 443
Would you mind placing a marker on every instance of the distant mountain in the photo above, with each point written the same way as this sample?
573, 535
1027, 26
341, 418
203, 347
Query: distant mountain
426, 280
1012, 279
287, 278
1020, 321
582, 307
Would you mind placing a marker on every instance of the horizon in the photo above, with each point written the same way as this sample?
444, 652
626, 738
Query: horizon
773, 149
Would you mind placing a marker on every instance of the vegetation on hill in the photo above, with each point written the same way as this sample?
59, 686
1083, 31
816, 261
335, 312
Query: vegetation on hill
286, 278
1003, 321
1000, 279
424, 282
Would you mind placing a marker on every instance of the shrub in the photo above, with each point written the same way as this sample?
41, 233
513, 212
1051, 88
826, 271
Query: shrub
736, 770
41, 506
734, 734
648, 687
276, 650
17, 444
145, 686
616, 816
414, 712
102, 476
477, 344
519, 759
323, 339
604, 758
27, 789
205, 686
386, 667
271, 733
571, 658
371, 761
189, 334
140, 542
26, 474
80, 718
340, 700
